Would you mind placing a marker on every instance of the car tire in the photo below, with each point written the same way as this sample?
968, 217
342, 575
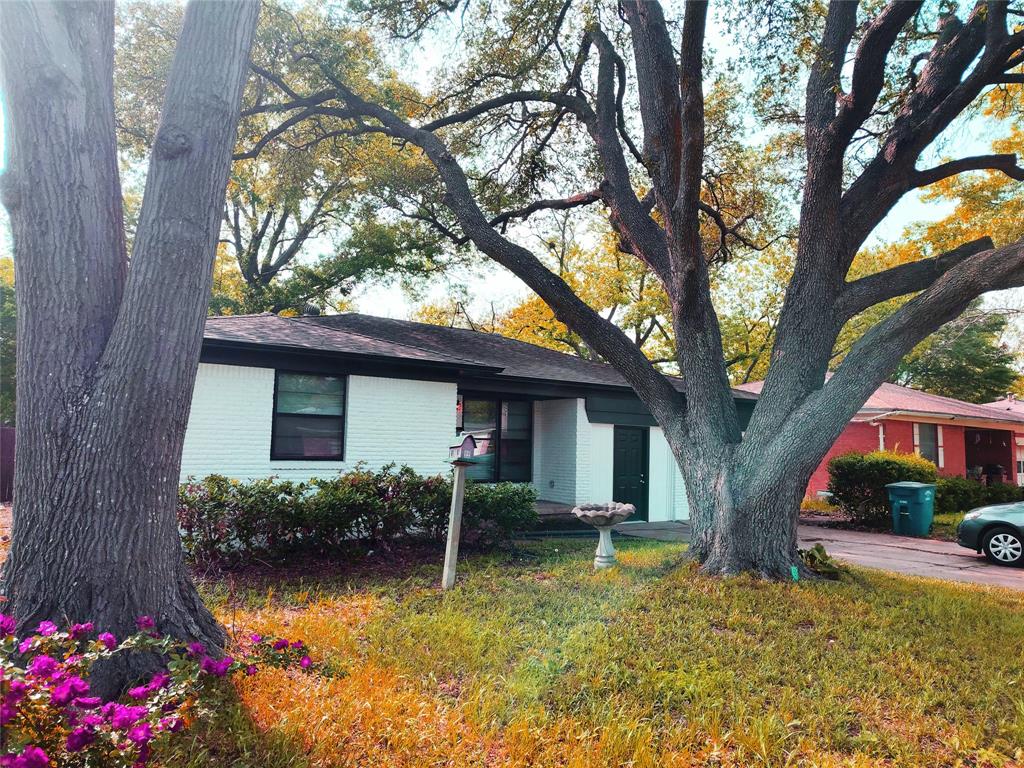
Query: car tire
1004, 546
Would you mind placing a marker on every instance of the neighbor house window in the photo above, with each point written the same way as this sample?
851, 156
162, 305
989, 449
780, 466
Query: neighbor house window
928, 442
504, 437
309, 417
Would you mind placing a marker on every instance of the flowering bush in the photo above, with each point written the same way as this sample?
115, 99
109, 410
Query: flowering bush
224, 520
49, 717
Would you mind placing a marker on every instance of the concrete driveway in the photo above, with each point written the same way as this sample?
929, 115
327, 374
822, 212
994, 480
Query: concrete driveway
901, 554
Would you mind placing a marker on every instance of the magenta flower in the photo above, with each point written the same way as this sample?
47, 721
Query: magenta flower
8, 709
80, 738
305, 662
216, 668
108, 640
159, 680
26, 645
140, 733
256, 638
297, 644
78, 631
123, 716
42, 665
67, 690
88, 702
195, 649
171, 724
30, 757
92, 719
16, 690
145, 622
280, 645
251, 670
139, 692
46, 628
7, 625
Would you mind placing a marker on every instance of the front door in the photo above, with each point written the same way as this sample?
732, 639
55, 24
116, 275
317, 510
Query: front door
629, 470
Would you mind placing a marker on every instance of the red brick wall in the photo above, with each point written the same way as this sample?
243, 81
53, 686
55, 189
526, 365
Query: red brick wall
858, 436
899, 436
953, 440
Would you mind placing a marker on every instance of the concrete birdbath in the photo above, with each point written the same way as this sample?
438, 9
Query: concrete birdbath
603, 517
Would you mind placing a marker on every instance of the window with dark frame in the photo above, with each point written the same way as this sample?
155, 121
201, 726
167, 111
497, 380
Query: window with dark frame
309, 417
928, 442
504, 438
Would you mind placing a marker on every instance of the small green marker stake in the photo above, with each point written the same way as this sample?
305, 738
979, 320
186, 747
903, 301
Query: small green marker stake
795, 572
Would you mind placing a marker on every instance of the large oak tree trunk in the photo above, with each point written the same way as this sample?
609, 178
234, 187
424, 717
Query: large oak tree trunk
107, 353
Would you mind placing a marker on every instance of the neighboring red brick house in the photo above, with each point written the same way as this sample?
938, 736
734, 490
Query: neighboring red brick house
985, 442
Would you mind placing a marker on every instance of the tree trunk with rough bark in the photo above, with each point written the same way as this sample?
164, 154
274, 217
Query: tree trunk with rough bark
107, 351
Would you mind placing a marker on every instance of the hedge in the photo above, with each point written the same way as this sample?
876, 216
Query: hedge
227, 521
857, 482
958, 494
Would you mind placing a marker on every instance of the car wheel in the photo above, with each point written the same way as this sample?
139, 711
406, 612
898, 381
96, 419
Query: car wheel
1004, 546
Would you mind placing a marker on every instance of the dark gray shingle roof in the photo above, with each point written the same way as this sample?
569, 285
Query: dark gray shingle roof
366, 335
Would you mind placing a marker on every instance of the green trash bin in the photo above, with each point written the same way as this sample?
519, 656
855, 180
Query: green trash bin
913, 507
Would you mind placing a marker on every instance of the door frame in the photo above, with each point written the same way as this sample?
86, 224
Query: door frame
646, 464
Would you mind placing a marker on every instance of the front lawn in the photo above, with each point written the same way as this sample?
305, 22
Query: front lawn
536, 660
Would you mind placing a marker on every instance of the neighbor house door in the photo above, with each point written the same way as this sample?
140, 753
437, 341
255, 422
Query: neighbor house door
629, 470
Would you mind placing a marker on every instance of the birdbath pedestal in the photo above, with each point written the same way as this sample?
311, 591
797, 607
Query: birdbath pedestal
604, 517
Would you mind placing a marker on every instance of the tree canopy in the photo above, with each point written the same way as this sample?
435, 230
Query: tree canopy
306, 217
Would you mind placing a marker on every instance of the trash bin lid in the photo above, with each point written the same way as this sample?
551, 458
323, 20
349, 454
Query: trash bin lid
909, 484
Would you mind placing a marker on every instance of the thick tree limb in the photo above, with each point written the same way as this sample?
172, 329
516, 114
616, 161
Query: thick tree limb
604, 337
824, 414
631, 220
869, 67
1007, 163
658, 92
823, 82
906, 278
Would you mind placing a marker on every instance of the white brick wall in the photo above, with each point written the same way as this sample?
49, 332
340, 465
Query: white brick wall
666, 492
556, 449
388, 420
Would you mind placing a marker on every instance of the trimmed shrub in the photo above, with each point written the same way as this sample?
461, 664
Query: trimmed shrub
958, 494
490, 512
954, 495
227, 521
857, 482
1001, 493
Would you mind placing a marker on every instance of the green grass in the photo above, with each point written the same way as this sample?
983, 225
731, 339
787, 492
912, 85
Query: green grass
944, 525
534, 659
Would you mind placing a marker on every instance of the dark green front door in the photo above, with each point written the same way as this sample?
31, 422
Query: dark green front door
629, 470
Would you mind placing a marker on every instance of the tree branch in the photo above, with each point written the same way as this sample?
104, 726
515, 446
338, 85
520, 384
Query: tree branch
903, 279
558, 204
821, 416
607, 339
869, 67
1007, 163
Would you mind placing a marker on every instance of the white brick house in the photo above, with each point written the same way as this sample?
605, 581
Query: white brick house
309, 396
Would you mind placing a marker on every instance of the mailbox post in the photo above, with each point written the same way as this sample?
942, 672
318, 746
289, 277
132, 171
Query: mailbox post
462, 456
